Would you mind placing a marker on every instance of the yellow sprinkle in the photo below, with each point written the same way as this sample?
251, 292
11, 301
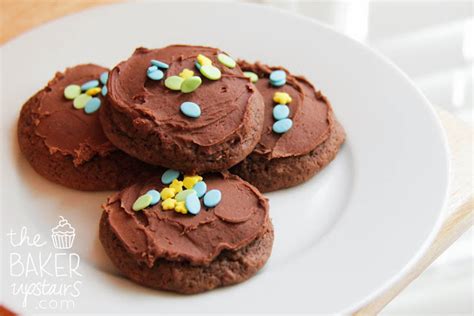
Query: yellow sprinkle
93, 91
186, 73
203, 60
167, 193
181, 207
168, 204
177, 186
282, 98
190, 181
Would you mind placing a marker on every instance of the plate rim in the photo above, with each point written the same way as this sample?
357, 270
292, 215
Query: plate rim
374, 52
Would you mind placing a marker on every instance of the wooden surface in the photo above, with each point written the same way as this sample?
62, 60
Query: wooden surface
458, 217
18, 16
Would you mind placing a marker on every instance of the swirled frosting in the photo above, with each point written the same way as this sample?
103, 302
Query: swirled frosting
240, 218
309, 109
65, 129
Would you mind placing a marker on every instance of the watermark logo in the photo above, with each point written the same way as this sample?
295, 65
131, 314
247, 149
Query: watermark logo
63, 234
47, 278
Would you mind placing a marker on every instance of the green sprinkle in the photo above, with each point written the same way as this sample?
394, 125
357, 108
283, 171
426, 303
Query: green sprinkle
226, 60
191, 84
72, 91
181, 196
253, 76
142, 202
210, 72
81, 101
174, 82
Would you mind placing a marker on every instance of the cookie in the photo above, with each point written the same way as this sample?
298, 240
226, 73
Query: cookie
66, 145
282, 160
149, 115
168, 250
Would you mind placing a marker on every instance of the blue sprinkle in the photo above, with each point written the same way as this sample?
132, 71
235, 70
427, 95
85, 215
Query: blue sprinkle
277, 75
151, 69
200, 188
282, 126
169, 175
280, 112
104, 91
155, 75
190, 109
92, 106
198, 65
278, 83
212, 198
90, 84
155, 196
104, 77
192, 204
159, 64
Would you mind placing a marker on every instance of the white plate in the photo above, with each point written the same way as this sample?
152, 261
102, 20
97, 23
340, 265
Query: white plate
341, 238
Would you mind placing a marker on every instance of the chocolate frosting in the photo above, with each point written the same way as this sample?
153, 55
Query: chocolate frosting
309, 110
65, 129
153, 233
156, 109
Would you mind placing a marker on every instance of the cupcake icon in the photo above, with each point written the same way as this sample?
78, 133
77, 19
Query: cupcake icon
63, 234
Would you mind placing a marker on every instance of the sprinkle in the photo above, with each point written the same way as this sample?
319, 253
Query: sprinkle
168, 204
203, 60
151, 69
81, 101
169, 175
155, 196
282, 126
278, 83
200, 188
142, 202
72, 91
212, 198
92, 106
159, 64
191, 84
177, 185
278, 78
90, 84
253, 76
174, 82
198, 66
210, 72
104, 77
190, 181
226, 60
192, 204
167, 193
93, 91
282, 98
181, 207
190, 109
181, 196
155, 75
277, 75
104, 91
281, 111
186, 73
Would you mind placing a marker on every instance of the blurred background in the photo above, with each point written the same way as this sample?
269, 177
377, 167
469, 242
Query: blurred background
432, 42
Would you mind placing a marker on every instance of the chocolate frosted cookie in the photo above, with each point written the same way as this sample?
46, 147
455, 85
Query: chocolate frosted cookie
183, 107
170, 244
300, 133
59, 133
